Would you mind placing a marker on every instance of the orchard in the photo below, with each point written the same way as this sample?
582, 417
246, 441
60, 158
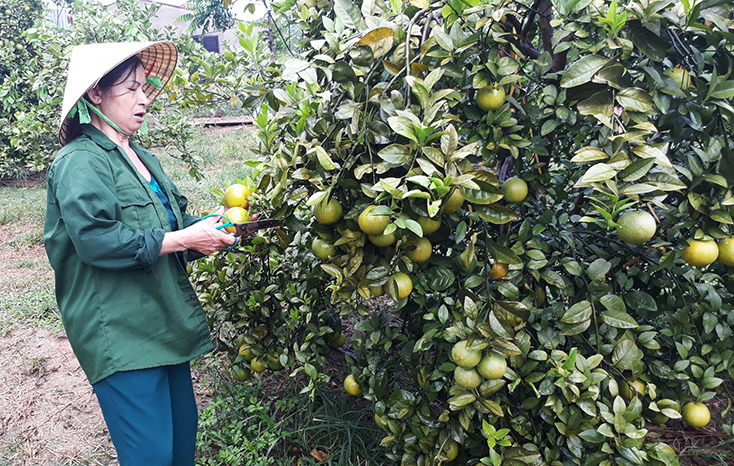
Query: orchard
541, 190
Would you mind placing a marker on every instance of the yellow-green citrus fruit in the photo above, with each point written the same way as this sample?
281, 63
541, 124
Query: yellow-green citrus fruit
499, 270
659, 419
236, 215
422, 251
376, 291
696, 414
372, 224
515, 189
306, 3
681, 77
403, 283
382, 241
274, 362
351, 386
492, 367
726, 251
490, 98
260, 331
700, 253
453, 203
258, 365
636, 226
467, 379
451, 450
240, 373
236, 196
328, 213
464, 357
429, 225
338, 339
322, 249
246, 352
626, 392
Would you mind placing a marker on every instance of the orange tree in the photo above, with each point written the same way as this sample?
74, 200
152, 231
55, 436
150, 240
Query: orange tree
396, 109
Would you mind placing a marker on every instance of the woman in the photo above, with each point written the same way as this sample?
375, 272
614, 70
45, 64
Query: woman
118, 237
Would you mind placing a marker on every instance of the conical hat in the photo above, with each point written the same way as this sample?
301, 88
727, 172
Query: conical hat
90, 62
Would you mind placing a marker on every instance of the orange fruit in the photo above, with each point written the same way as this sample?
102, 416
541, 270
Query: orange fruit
696, 414
403, 283
422, 251
351, 386
236, 196
236, 215
629, 389
726, 251
322, 249
636, 226
372, 224
327, 213
700, 253
492, 367
453, 203
429, 225
463, 357
467, 379
491, 98
382, 241
515, 189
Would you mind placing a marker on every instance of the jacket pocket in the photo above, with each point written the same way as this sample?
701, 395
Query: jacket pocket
138, 210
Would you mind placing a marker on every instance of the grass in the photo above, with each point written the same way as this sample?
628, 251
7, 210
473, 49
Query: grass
244, 424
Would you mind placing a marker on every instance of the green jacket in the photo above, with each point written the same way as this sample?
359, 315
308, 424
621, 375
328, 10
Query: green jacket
123, 307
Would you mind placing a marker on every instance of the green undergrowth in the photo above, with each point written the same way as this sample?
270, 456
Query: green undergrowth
252, 424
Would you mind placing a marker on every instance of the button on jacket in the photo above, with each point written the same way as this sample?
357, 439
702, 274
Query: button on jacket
123, 307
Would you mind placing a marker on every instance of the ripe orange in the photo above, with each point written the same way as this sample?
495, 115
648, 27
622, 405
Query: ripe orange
429, 225
492, 367
453, 202
696, 414
467, 379
382, 241
636, 226
403, 283
700, 253
726, 251
322, 249
491, 97
464, 357
327, 213
515, 189
627, 392
236, 215
236, 196
351, 386
422, 251
499, 270
372, 224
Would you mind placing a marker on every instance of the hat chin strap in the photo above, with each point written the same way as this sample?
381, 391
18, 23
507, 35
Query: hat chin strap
83, 106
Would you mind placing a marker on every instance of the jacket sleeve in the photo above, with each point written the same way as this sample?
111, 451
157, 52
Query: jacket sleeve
85, 190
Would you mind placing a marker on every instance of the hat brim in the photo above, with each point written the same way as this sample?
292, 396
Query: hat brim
90, 62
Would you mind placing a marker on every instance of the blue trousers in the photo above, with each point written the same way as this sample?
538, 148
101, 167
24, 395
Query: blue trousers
151, 415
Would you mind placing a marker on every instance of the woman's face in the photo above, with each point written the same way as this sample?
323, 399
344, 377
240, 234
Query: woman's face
125, 103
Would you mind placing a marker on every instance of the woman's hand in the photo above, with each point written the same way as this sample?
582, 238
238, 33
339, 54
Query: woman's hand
202, 236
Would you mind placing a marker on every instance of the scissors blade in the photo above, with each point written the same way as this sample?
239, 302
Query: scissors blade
248, 228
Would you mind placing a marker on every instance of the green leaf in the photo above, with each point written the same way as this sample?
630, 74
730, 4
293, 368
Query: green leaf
396, 154
581, 71
579, 312
636, 169
324, 159
625, 354
635, 99
618, 319
596, 173
589, 154
440, 278
613, 303
600, 103
647, 41
502, 253
349, 14
495, 213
